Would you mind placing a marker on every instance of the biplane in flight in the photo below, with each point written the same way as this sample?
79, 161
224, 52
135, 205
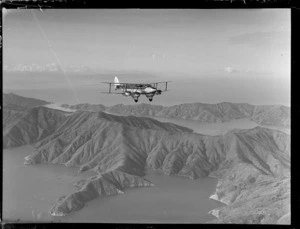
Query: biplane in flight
135, 90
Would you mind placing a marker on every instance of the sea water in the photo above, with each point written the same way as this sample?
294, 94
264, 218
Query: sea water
29, 191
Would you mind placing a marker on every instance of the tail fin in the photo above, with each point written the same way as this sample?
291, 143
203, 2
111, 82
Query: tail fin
116, 82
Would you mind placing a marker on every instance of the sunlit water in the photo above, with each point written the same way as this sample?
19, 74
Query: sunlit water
29, 191
211, 128
172, 200
218, 128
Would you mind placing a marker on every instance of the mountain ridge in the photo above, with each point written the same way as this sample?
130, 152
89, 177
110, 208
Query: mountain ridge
133, 148
276, 115
248, 163
220, 112
14, 101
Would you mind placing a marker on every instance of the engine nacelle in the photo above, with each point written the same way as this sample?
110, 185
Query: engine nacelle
135, 95
150, 96
126, 93
158, 92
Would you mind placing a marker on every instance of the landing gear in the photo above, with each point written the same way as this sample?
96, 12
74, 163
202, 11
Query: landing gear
150, 99
136, 100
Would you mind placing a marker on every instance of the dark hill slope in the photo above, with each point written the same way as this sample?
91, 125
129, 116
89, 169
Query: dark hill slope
12, 100
15, 106
106, 184
11, 116
30, 126
87, 138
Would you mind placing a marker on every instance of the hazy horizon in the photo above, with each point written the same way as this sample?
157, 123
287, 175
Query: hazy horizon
59, 100
211, 56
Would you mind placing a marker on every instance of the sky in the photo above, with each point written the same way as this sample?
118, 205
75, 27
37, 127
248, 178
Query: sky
210, 55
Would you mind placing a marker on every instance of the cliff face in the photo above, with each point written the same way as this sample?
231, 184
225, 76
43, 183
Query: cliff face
221, 112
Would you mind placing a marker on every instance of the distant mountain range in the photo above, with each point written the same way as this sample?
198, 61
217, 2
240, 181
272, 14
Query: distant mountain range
253, 166
222, 112
50, 67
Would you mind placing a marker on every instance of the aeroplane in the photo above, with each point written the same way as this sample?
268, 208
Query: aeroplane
136, 89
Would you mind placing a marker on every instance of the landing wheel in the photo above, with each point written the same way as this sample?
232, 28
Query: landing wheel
136, 100
150, 99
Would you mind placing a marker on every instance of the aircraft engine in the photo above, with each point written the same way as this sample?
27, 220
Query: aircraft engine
158, 92
126, 93
150, 97
135, 96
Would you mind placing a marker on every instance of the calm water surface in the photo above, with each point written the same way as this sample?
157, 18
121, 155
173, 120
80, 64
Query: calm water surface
219, 128
30, 191
211, 128
172, 200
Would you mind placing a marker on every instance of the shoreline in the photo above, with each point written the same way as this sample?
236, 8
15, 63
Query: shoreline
216, 212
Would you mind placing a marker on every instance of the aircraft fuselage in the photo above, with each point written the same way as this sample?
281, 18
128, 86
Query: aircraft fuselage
136, 90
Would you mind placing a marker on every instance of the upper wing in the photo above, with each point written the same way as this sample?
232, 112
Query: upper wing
157, 85
136, 83
112, 83
160, 82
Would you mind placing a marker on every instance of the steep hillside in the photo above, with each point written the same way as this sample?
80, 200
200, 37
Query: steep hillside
29, 126
256, 199
256, 192
12, 100
106, 184
88, 138
270, 115
10, 116
14, 106
104, 143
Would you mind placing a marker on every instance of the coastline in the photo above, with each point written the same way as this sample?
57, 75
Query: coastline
216, 212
